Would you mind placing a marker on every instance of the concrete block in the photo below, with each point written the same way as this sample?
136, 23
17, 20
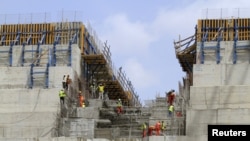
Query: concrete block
88, 112
95, 103
105, 133
79, 127
197, 121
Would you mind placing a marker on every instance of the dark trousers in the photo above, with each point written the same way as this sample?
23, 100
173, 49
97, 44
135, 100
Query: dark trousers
170, 114
64, 84
62, 100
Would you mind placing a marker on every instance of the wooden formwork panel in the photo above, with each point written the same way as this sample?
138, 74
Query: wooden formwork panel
82, 38
66, 31
243, 28
49, 35
229, 27
212, 27
34, 31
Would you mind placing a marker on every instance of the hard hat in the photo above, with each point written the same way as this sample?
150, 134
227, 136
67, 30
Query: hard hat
119, 99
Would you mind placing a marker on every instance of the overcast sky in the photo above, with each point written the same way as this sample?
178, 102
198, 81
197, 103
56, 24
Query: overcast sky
139, 32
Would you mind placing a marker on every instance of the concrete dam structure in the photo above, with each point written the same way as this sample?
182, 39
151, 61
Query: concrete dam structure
34, 57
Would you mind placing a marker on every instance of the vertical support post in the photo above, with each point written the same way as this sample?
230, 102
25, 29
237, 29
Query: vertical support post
69, 53
3, 40
38, 49
219, 38
31, 76
218, 52
22, 56
10, 53
91, 49
54, 54
47, 76
50, 57
204, 38
38, 52
235, 43
23, 50
54, 49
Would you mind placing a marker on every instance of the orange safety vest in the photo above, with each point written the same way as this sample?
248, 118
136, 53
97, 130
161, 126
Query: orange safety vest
81, 99
158, 126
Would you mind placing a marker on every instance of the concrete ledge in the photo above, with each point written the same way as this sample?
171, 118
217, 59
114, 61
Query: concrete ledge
217, 97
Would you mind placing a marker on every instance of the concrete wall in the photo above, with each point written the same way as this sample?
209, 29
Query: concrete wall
226, 52
28, 113
221, 74
18, 77
220, 92
29, 55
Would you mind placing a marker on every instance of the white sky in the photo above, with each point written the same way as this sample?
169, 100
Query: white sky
139, 32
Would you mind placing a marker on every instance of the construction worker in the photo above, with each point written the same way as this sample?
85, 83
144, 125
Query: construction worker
163, 126
81, 99
119, 106
170, 110
83, 105
93, 90
171, 97
101, 91
64, 81
68, 81
150, 130
144, 129
158, 128
62, 96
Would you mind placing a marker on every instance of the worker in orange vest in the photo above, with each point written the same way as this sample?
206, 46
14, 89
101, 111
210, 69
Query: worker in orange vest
171, 97
150, 130
158, 128
81, 99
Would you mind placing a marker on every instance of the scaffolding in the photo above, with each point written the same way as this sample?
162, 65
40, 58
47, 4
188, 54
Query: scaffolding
45, 45
212, 32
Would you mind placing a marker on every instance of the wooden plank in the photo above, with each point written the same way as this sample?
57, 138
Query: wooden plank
82, 38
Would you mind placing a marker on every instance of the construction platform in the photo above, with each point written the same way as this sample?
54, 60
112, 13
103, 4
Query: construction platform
59, 38
190, 51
